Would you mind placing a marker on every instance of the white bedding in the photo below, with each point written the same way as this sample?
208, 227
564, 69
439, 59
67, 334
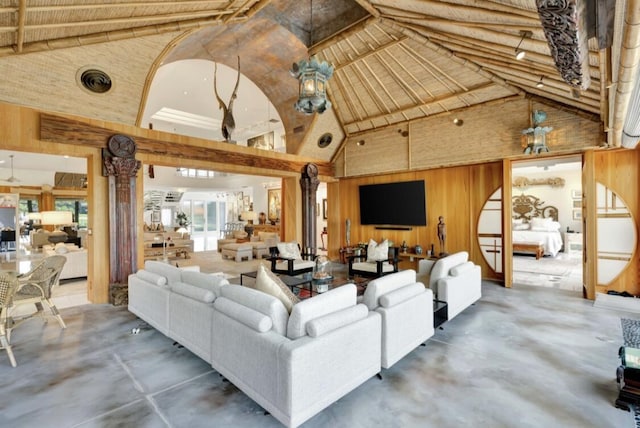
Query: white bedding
552, 240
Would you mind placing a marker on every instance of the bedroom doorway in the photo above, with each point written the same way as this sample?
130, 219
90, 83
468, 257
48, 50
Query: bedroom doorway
547, 226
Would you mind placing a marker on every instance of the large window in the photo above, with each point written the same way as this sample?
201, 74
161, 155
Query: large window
78, 207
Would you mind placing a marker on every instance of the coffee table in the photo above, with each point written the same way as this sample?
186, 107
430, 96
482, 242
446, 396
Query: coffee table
440, 313
304, 286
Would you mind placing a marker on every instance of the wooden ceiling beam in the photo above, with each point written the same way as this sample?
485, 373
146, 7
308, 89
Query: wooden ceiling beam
368, 53
110, 21
111, 6
446, 10
22, 12
64, 130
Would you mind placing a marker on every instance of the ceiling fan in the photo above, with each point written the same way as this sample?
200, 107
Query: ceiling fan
11, 179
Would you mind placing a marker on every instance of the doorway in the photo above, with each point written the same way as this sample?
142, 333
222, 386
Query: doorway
547, 227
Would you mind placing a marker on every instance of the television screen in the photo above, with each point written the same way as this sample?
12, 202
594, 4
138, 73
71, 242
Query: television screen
400, 204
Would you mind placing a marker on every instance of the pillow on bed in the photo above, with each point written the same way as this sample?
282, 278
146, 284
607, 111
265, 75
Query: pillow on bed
522, 226
544, 225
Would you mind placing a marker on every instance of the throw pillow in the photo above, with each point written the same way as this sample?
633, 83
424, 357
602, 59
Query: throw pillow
268, 282
377, 251
61, 248
289, 250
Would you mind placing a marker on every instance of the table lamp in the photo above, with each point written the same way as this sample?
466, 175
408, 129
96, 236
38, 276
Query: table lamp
249, 217
56, 219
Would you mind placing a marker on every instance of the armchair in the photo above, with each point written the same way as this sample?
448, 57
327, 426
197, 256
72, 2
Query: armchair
35, 288
8, 287
371, 265
286, 259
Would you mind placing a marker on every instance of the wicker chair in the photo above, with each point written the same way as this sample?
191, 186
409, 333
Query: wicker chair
8, 286
35, 288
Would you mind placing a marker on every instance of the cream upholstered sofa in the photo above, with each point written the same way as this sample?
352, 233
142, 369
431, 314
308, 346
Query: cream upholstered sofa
77, 262
406, 307
453, 279
292, 364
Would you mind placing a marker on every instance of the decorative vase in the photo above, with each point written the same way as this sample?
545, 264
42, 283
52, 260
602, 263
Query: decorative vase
262, 218
404, 247
418, 249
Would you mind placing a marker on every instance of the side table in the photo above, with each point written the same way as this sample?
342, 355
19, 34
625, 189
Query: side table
440, 313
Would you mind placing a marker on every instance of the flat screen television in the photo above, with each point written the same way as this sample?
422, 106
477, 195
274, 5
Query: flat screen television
394, 204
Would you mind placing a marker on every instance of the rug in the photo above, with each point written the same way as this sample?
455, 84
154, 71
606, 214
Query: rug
545, 265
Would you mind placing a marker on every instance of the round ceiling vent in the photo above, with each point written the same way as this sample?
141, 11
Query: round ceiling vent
325, 140
96, 81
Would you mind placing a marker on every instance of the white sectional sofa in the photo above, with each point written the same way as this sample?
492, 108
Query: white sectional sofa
294, 365
453, 279
406, 307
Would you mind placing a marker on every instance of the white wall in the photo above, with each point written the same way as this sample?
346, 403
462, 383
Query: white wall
559, 197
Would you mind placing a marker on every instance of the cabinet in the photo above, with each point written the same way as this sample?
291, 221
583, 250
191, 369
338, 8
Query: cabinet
573, 242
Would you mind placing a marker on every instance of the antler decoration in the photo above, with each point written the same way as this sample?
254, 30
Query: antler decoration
228, 122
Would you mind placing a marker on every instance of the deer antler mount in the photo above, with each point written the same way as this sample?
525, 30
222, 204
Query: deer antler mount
228, 122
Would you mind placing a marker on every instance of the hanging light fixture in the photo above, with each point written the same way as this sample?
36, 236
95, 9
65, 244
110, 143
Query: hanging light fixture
312, 78
540, 84
520, 54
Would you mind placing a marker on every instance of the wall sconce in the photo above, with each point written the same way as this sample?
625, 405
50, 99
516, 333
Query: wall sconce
540, 84
520, 54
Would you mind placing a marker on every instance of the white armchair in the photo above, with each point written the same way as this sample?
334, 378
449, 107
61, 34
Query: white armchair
406, 307
454, 280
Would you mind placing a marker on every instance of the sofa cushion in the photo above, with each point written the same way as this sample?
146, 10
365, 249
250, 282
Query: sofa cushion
401, 295
193, 292
318, 306
325, 324
269, 283
204, 281
289, 250
461, 269
247, 316
386, 284
261, 302
151, 277
377, 251
172, 273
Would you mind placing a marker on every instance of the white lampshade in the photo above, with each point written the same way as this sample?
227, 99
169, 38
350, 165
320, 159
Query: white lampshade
56, 218
35, 216
249, 216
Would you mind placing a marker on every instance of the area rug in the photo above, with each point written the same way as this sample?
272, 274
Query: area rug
545, 265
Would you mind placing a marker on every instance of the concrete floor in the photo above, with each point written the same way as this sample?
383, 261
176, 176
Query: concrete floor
525, 357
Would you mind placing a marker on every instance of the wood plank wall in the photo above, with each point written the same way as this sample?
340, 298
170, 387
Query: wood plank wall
456, 193
490, 133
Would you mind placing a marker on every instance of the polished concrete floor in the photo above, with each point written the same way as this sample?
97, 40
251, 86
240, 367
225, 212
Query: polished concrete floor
522, 357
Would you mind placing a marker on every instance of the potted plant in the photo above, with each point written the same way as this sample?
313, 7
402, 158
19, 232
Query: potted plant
182, 219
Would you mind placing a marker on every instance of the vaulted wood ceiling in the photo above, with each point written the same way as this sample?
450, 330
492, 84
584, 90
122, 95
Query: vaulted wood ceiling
395, 60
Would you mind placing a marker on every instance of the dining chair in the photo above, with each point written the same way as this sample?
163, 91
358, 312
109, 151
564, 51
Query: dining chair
35, 288
8, 286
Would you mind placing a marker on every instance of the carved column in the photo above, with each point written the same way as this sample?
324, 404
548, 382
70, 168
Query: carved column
121, 167
309, 183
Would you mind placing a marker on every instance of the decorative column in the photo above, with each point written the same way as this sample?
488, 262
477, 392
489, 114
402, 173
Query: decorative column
121, 167
309, 184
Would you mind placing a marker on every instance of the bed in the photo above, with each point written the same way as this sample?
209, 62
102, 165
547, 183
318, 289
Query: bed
535, 224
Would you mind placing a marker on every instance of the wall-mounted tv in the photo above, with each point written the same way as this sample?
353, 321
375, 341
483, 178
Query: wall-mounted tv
394, 204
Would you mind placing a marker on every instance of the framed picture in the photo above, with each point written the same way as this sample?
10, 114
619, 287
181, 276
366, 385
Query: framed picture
155, 216
576, 194
577, 214
264, 141
577, 204
273, 201
246, 203
324, 209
